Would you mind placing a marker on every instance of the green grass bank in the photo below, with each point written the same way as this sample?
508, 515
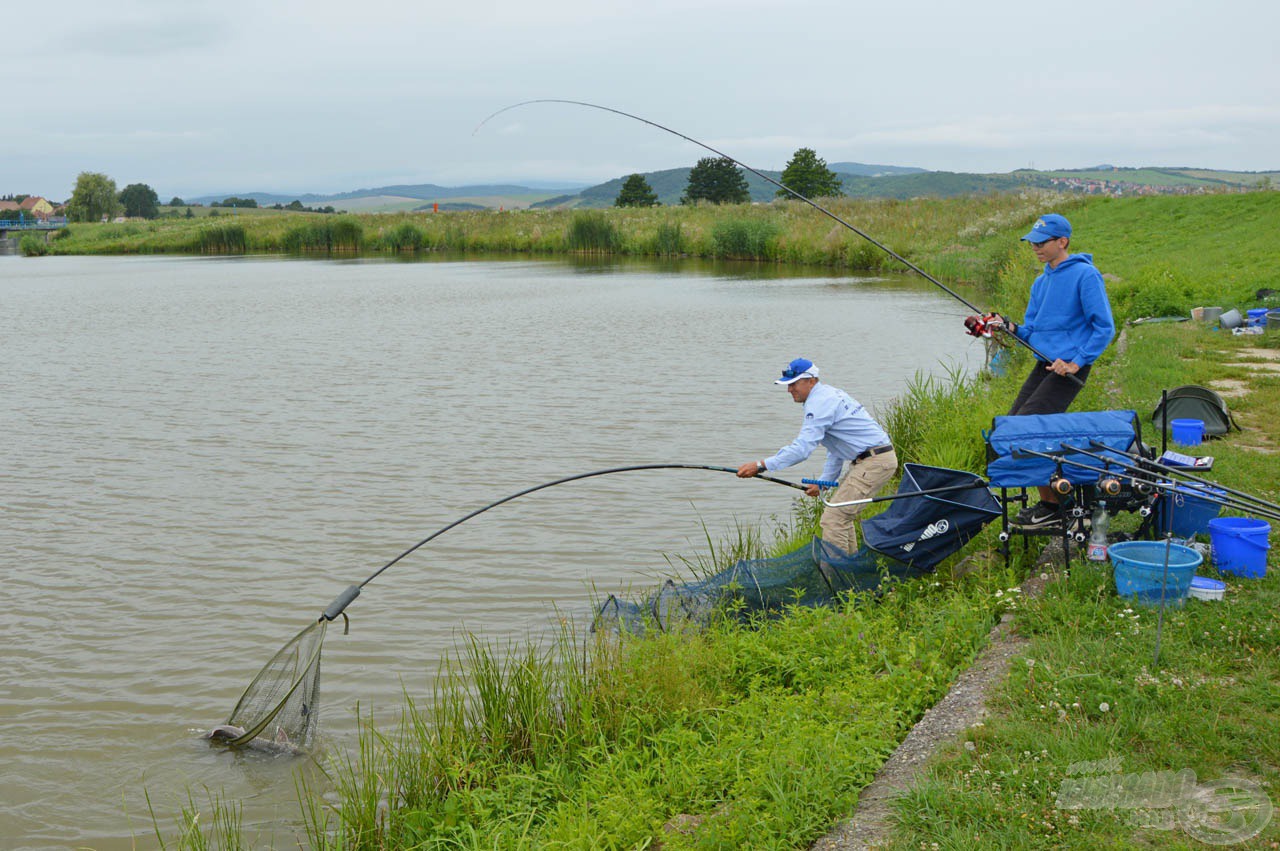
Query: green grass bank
761, 735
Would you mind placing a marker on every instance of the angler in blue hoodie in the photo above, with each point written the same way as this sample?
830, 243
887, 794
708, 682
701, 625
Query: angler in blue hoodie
1069, 323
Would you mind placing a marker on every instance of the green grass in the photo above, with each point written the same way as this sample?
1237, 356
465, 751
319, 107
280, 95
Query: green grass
1088, 688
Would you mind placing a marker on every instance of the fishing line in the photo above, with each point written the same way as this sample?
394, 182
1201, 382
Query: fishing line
886, 249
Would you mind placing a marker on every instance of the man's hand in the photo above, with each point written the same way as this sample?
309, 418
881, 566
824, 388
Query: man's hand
749, 470
811, 490
996, 322
1063, 367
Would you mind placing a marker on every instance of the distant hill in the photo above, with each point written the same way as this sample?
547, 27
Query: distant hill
864, 170
404, 196
859, 180
670, 184
876, 181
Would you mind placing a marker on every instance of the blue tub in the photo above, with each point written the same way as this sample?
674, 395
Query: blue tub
1140, 571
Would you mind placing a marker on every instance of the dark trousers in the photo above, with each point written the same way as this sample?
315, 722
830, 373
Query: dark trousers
1045, 392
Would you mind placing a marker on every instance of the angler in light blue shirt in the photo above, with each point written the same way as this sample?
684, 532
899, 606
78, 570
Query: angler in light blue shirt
836, 421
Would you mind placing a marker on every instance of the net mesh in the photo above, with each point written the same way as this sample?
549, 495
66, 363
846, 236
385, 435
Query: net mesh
282, 703
814, 574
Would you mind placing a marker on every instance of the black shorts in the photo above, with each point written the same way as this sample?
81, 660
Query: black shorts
1045, 392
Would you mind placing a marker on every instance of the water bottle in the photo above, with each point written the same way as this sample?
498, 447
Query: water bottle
1097, 550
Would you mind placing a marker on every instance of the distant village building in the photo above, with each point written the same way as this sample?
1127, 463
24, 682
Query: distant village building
9, 209
34, 205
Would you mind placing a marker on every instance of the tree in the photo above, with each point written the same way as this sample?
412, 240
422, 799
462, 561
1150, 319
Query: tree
93, 198
808, 175
636, 192
175, 201
140, 201
189, 215
718, 180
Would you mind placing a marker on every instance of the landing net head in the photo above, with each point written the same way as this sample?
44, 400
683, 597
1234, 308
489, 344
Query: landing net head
282, 703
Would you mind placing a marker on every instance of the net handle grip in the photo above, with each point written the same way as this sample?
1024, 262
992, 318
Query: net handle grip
341, 602
822, 483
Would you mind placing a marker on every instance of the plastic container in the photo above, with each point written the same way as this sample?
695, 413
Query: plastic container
1231, 319
1187, 432
1257, 316
1186, 511
1211, 314
1240, 545
1273, 320
1140, 571
1204, 588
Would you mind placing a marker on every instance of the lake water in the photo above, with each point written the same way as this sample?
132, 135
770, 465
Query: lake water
199, 454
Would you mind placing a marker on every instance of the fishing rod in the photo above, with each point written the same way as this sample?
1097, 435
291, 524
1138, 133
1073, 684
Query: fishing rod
1165, 487
1187, 474
886, 249
288, 686
344, 599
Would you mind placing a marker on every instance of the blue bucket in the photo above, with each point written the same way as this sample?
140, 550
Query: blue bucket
1257, 316
1139, 571
1186, 510
1187, 432
1240, 545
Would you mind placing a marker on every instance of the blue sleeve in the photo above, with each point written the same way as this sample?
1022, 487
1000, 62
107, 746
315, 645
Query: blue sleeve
1100, 327
816, 422
831, 469
1028, 326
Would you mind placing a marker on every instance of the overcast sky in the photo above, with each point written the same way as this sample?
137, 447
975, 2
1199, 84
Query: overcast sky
196, 97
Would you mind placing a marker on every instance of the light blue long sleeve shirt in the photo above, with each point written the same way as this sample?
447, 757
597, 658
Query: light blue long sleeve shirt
1068, 315
834, 419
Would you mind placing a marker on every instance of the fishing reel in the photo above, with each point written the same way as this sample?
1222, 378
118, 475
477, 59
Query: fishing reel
980, 326
1109, 487
1060, 485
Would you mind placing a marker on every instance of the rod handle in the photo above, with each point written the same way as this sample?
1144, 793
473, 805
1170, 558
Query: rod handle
822, 483
341, 602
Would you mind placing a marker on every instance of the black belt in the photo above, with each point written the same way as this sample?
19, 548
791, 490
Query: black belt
875, 450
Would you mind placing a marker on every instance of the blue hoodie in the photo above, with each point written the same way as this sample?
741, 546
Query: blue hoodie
1068, 315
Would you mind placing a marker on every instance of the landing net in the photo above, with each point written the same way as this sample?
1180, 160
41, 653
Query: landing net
282, 703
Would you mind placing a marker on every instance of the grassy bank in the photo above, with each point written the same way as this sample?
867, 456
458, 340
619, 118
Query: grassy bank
1088, 700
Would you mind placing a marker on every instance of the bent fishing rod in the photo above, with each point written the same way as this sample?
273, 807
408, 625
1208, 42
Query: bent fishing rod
886, 249
344, 599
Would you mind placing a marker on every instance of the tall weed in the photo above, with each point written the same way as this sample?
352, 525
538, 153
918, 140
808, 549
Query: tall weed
744, 239
593, 231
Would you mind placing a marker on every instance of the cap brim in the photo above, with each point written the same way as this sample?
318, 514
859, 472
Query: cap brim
1038, 236
793, 380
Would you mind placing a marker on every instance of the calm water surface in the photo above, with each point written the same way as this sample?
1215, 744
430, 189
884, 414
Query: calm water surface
199, 454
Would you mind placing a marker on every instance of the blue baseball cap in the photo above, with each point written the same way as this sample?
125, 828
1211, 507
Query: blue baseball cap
1049, 226
796, 370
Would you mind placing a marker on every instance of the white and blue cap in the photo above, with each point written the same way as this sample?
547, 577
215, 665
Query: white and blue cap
1047, 227
796, 370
